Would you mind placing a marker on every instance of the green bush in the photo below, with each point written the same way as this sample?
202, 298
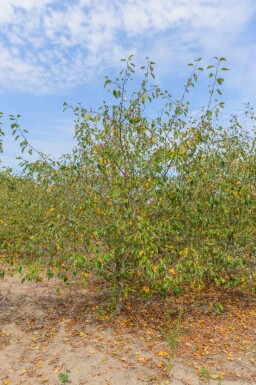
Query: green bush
151, 204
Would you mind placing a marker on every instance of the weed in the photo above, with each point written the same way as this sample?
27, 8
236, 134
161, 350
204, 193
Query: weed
101, 314
220, 380
205, 373
172, 337
219, 308
64, 377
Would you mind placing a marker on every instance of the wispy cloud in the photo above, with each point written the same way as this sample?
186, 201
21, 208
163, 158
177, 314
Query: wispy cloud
50, 45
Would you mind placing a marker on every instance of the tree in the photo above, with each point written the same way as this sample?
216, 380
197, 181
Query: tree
149, 204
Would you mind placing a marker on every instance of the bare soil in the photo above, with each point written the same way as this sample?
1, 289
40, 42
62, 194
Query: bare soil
44, 333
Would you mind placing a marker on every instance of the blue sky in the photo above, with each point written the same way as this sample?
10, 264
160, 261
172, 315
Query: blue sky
54, 51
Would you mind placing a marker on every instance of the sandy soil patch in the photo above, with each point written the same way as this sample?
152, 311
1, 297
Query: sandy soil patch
44, 335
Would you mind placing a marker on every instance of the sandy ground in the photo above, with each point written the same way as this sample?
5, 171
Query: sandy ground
43, 334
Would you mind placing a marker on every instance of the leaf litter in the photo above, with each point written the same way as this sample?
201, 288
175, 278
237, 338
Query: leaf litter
44, 334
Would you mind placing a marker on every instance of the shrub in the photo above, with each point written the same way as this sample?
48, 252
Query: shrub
148, 203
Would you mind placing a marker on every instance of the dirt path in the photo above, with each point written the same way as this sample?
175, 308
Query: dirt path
43, 334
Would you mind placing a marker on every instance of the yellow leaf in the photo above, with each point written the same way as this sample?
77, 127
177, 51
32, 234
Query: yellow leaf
162, 354
52, 209
184, 149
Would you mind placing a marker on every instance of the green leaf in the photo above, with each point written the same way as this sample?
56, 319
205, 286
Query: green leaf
220, 80
116, 94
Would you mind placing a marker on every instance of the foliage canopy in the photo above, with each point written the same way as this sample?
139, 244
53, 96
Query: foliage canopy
150, 204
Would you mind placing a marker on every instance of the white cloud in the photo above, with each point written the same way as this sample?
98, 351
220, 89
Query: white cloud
48, 45
26, 4
7, 12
